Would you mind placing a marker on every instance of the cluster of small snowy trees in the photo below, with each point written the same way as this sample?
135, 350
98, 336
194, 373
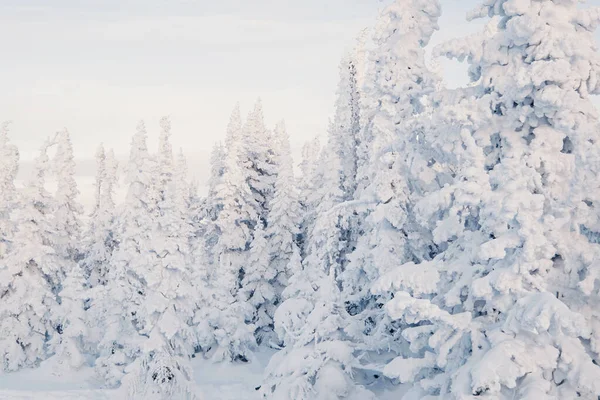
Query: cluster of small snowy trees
448, 240
142, 286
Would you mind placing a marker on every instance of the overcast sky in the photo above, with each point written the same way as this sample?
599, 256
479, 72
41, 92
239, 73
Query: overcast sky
98, 66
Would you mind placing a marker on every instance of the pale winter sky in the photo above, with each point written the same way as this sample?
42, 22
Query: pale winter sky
98, 66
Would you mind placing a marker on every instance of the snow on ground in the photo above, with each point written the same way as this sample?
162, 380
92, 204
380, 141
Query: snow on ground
231, 381
215, 381
44, 383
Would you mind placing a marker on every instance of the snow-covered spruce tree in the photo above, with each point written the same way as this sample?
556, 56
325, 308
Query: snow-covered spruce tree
324, 193
344, 132
202, 215
67, 210
99, 238
185, 199
270, 252
396, 77
117, 305
318, 360
210, 208
9, 165
285, 216
307, 184
66, 243
258, 158
390, 236
166, 310
213, 204
338, 167
447, 210
165, 169
345, 127
257, 285
72, 343
27, 277
184, 195
228, 312
326, 240
217, 169
513, 316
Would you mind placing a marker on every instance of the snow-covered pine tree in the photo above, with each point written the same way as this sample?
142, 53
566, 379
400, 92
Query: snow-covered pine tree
344, 142
318, 360
270, 252
166, 310
258, 158
397, 77
325, 185
117, 305
72, 343
202, 213
217, 169
28, 277
9, 165
228, 311
346, 125
326, 242
184, 196
67, 210
285, 217
99, 238
66, 243
257, 286
390, 237
307, 184
324, 197
164, 169
506, 311
326, 215
211, 206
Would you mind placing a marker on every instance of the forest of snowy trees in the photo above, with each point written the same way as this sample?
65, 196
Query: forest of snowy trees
446, 241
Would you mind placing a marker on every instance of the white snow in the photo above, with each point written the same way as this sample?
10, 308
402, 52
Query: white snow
220, 381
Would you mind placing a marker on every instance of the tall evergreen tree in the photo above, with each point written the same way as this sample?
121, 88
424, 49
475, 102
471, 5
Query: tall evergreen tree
258, 158
346, 125
285, 215
9, 165
67, 210
503, 305
99, 239
257, 286
213, 203
397, 78
117, 307
396, 94
229, 312
210, 208
29, 275
272, 251
311, 321
307, 185
72, 342
318, 361
167, 307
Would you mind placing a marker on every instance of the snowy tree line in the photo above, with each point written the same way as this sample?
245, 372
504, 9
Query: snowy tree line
446, 239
